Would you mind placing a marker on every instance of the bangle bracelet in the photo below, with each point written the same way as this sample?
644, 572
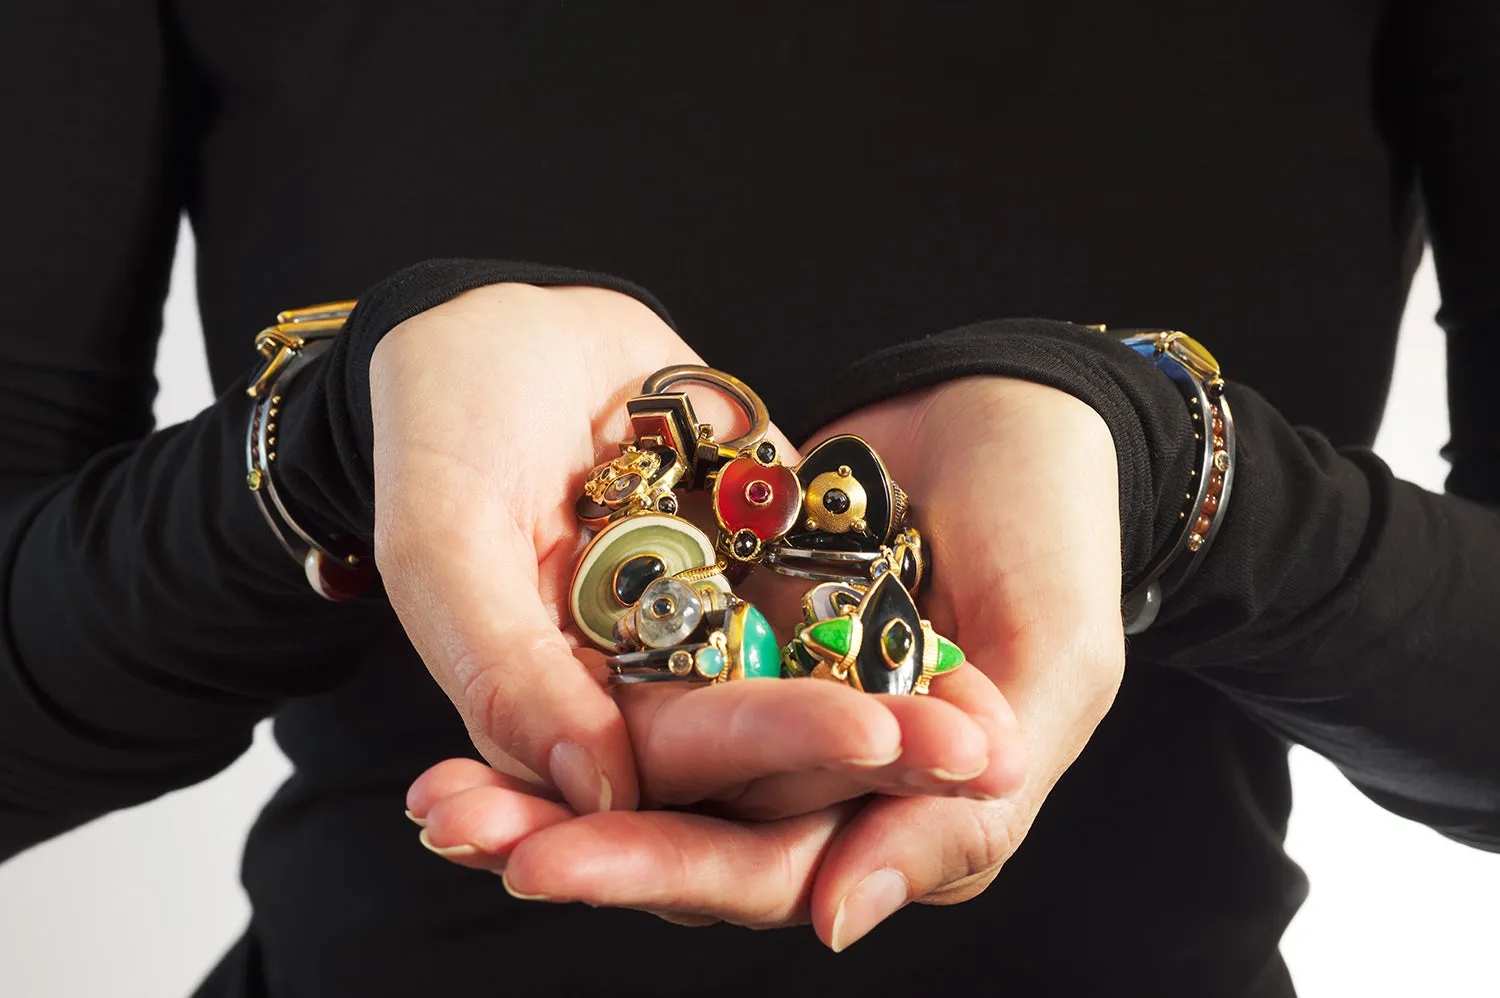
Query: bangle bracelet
1196, 374
298, 338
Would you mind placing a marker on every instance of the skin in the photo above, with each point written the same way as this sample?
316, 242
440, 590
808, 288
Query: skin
488, 412
1017, 484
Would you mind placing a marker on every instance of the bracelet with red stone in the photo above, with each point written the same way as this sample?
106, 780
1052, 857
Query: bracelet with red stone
1203, 525
334, 575
1196, 374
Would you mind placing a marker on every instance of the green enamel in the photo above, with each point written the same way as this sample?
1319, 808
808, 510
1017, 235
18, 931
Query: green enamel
796, 662
760, 655
950, 656
833, 634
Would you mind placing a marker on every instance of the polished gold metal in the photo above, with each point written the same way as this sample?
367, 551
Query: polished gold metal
819, 517
297, 339
601, 486
760, 420
692, 576
611, 488
1197, 373
720, 642
909, 539
294, 329
840, 668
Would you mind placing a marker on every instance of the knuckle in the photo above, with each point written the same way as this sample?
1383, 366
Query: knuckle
485, 699
988, 840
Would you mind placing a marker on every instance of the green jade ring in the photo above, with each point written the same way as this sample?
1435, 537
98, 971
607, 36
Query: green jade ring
880, 644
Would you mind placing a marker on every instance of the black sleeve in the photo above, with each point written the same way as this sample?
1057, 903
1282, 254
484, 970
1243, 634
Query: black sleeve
1454, 94
1352, 612
148, 618
151, 619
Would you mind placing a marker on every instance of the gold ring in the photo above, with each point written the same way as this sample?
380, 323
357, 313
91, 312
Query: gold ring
741, 393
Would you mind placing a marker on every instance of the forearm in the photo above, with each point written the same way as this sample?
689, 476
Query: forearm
1354, 613
150, 620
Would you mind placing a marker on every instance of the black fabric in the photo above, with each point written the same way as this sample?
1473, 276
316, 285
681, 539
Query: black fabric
796, 182
333, 418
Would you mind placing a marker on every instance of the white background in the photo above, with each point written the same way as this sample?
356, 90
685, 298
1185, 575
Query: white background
142, 903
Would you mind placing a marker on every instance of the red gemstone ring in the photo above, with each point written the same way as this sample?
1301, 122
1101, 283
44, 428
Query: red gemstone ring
756, 500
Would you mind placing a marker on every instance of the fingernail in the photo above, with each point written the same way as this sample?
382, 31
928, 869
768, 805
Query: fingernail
873, 900
871, 763
939, 781
980, 795
948, 776
505, 879
419, 822
462, 849
579, 777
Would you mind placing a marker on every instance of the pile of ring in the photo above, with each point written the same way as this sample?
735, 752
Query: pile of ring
657, 592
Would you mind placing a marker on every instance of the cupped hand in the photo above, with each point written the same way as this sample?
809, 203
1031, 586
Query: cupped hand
488, 411
1017, 498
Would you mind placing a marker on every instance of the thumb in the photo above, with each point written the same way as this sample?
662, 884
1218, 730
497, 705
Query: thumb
465, 588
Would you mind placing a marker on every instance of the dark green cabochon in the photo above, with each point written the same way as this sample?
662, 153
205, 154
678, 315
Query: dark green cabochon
888, 601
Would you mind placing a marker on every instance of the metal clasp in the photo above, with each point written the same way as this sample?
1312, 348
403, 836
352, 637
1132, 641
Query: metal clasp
294, 329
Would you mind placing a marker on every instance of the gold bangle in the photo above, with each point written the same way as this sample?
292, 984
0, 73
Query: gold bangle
298, 338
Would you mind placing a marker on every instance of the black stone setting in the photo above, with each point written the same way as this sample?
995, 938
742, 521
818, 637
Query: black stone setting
909, 568
667, 504
836, 501
634, 575
887, 603
765, 452
863, 463
745, 544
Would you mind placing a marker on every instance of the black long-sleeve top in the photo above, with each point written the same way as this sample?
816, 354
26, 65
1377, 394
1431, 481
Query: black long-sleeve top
863, 174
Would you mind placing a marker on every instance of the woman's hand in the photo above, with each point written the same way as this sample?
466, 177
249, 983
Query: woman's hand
489, 410
1016, 493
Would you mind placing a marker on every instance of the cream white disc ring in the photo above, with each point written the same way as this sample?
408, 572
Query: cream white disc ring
678, 543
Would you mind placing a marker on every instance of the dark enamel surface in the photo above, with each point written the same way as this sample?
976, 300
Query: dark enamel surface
865, 465
888, 600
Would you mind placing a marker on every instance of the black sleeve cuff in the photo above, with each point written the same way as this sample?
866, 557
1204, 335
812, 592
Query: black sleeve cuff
326, 461
1145, 413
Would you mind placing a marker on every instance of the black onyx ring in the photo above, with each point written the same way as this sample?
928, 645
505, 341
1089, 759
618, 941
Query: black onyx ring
850, 500
905, 555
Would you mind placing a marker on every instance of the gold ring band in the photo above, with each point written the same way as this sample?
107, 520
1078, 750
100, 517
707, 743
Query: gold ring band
741, 393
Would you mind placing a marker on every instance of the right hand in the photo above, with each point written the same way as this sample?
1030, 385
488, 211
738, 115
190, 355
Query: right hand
488, 411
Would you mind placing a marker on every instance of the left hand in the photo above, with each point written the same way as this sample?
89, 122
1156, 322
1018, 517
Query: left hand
1016, 495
